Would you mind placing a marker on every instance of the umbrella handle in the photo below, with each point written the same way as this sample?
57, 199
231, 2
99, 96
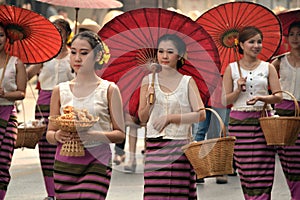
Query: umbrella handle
239, 68
151, 96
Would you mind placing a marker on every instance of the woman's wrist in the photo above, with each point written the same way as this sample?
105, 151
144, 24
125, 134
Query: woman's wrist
54, 136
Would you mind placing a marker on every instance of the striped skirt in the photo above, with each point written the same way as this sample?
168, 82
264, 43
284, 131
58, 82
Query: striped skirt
46, 150
85, 177
255, 160
289, 155
168, 173
8, 136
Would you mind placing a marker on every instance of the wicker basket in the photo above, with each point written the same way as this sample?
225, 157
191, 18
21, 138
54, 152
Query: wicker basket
29, 136
212, 157
281, 130
75, 146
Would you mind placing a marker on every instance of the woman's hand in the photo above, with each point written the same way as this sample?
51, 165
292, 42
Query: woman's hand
160, 123
62, 136
241, 82
252, 101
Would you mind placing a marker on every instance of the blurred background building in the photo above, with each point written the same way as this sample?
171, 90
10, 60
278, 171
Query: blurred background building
192, 8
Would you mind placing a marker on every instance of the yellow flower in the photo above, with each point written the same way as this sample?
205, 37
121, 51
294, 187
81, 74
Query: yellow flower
69, 40
106, 55
236, 41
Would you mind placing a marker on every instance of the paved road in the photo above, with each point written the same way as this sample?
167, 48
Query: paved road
27, 182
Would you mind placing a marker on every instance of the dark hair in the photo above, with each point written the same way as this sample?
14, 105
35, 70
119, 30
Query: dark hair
247, 33
94, 40
178, 43
64, 24
294, 24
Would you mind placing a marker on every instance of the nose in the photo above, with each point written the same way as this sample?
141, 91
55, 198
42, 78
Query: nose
77, 57
165, 54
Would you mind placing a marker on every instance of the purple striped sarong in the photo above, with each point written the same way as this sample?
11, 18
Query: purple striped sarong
255, 160
8, 136
46, 150
290, 155
168, 173
85, 177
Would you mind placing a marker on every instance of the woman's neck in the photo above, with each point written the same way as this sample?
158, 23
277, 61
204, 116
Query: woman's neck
249, 62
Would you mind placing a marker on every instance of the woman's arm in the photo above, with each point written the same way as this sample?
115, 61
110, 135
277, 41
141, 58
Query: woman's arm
117, 135
144, 105
52, 134
21, 82
33, 70
231, 95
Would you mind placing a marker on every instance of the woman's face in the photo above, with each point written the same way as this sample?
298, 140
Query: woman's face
82, 55
253, 46
294, 38
2, 38
167, 54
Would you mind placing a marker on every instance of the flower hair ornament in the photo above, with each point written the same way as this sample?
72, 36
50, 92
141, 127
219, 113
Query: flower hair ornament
183, 58
106, 54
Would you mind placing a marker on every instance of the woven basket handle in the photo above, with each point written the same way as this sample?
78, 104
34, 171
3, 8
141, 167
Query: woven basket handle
264, 112
222, 129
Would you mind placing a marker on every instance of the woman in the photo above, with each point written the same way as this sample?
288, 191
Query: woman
50, 74
255, 161
12, 88
288, 67
177, 104
88, 176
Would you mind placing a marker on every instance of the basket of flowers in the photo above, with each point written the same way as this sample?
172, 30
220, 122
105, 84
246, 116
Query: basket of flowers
212, 157
280, 130
30, 133
74, 121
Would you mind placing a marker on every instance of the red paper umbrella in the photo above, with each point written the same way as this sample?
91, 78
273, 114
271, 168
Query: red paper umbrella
132, 40
287, 18
84, 4
32, 37
224, 22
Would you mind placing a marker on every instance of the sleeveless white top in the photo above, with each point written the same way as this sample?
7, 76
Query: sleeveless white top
176, 102
96, 103
289, 79
9, 81
256, 85
54, 72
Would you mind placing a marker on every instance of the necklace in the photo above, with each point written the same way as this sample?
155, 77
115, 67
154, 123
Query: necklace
249, 66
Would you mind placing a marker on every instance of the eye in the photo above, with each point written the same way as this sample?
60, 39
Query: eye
160, 51
84, 53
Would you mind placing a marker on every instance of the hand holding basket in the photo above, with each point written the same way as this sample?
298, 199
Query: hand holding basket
281, 130
212, 157
74, 147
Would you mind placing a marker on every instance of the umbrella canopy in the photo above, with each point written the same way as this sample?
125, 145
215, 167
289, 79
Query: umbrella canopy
224, 22
32, 37
77, 4
132, 40
287, 17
